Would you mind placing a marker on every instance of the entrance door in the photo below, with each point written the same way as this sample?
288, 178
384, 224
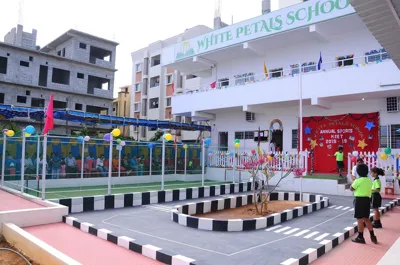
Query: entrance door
277, 138
223, 141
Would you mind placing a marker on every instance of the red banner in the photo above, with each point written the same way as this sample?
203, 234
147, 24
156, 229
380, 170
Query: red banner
323, 136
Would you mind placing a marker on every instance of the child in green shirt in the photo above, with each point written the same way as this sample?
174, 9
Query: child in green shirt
376, 198
339, 160
362, 188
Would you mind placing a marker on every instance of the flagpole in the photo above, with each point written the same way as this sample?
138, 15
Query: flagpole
300, 126
151, 160
176, 153
23, 160
3, 160
162, 163
44, 164
110, 164
203, 162
82, 158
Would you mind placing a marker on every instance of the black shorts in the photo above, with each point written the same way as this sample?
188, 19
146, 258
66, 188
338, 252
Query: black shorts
340, 164
362, 207
376, 200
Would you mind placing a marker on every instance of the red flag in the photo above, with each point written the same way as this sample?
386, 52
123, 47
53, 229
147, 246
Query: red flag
213, 84
49, 123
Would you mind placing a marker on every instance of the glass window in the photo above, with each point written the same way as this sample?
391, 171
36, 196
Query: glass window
295, 139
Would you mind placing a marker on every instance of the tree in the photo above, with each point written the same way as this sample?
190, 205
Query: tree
157, 136
261, 169
12, 126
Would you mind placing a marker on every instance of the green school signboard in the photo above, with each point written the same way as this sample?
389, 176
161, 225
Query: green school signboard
296, 16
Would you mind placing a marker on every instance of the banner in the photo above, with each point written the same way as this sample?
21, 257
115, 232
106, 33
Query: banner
323, 136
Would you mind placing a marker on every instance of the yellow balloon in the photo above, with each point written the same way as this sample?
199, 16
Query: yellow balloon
383, 156
27, 134
270, 158
185, 146
116, 132
10, 133
237, 145
168, 137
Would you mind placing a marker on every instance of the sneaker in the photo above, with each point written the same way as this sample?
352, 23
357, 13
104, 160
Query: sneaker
373, 239
377, 225
359, 240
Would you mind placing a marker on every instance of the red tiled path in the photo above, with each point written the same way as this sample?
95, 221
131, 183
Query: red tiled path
9, 202
368, 254
86, 248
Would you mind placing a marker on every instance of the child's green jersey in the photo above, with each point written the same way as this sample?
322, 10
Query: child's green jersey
362, 187
339, 156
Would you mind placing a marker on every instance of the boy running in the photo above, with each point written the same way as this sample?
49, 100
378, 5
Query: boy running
339, 160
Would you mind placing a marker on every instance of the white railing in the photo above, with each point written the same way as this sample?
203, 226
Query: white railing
372, 159
306, 68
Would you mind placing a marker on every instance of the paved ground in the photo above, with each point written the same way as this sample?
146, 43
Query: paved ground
151, 224
9, 202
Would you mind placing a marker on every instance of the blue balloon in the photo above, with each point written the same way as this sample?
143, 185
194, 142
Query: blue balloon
210, 151
150, 145
398, 130
80, 139
30, 129
232, 153
207, 141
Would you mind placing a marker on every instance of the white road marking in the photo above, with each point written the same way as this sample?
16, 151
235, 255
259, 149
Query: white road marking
351, 210
311, 235
289, 261
345, 208
302, 232
273, 228
291, 231
339, 207
333, 206
161, 209
321, 237
282, 229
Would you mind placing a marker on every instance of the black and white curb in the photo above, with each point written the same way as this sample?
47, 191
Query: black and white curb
183, 214
102, 202
149, 251
312, 254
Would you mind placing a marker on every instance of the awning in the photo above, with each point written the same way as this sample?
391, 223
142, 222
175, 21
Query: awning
8, 112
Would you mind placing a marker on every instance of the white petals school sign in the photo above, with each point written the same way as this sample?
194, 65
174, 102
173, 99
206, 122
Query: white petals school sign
296, 16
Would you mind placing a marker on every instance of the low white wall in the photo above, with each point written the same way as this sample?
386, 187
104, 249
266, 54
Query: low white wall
84, 182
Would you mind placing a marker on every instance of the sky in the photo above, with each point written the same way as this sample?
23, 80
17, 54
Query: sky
132, 23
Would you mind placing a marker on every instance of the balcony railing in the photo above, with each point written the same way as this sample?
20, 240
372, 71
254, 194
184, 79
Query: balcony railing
306, 68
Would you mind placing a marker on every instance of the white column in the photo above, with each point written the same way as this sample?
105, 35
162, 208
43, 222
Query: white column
119, 161
203, 151
301, 126
82, 158
3, 160
185, 161
44, 165
162, 163
234, 166
110, 164
23, 161
37, 156
151, 160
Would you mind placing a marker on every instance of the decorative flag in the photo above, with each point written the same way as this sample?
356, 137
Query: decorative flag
320, 61
265, 70
49, 123
213, 84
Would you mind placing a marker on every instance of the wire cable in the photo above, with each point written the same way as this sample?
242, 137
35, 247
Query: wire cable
19, 254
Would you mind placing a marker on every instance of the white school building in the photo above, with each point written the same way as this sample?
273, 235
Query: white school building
245, 76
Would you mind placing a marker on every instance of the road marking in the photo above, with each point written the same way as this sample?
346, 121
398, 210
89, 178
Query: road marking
311, 235
333, 206
345, 208
273, 228
302, 232
161, 209
339, 207
321, 237
291, 231
289, 261
351, 210
282, 229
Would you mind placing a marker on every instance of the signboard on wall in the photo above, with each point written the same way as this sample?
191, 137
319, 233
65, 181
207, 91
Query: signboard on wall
296, 16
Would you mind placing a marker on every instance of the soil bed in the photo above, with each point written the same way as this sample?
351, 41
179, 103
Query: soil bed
248, 211
10, 258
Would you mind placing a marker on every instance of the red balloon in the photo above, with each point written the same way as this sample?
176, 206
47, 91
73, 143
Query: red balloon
253, 151
354, 159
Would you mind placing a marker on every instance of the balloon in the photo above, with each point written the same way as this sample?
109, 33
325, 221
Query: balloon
30, 129
27, 134
118, 141
150, 145
107, 137
237, 141
168, 137
398, 130
231, 153
270, 158
122, 143
185, 146
80, 139
116, 132
388, 151
86, 138
5, 131
210, 151
10, 133
383, 156
237, 145
353, 159
355, 153
207, 141
253, 151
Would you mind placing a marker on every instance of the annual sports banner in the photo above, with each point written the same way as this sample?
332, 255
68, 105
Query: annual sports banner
324, 134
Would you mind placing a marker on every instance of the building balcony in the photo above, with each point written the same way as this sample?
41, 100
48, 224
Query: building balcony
345, 79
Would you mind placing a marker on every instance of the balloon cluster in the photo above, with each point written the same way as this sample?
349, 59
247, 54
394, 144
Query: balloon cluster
385, 155
237, 143
207, 142
9, 133
114, 133
81, 139
29, 130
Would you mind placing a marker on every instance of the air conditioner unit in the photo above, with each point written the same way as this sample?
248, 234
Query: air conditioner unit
392, 104
250, 116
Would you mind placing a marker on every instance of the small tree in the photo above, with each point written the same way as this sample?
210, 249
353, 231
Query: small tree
261, 170
157, 136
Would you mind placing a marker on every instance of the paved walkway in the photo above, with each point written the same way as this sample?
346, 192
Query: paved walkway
85, 248
368, 254
9, 202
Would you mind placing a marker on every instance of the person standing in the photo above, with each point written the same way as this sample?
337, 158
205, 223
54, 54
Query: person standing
376, 199
354, 174
71, 166
55, 164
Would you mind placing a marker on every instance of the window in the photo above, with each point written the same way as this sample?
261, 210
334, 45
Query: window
244, 135
153, 103
59, 53
1, 98
188, 120
43, 71
60, 76
168, 103
37, 102
154, 81
276, 72
82, 45
97, 82
3, 65
169, 79
137, 87
59, 104
136, 107
21, 99
31, 58
78, 106
24, 63
239, 135
190, 77
389, 137
392, 104
345, 60
155, 60
28, 92
100, 54
80, 76
138, 67
63, 52
295, 139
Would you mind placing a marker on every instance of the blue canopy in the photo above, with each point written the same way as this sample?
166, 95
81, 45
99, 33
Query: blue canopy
8, 112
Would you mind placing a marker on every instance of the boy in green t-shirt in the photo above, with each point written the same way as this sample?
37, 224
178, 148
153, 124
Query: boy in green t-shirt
339, 160
362, 188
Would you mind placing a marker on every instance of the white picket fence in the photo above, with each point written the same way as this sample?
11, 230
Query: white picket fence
372, 159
